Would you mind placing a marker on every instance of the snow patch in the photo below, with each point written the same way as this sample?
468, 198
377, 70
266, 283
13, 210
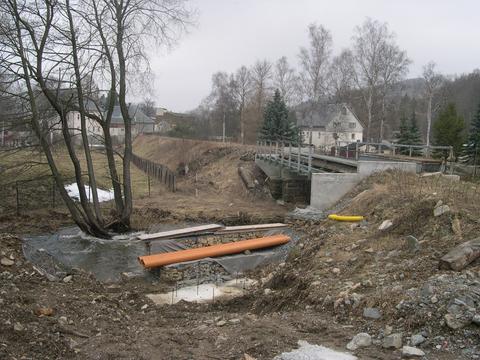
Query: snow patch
103, 195
308, 351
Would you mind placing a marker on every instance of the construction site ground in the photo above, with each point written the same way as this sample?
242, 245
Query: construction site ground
319, 294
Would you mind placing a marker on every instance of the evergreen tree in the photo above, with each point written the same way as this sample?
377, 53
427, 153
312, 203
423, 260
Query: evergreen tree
409, 134
449, 128
277, 124
471, 150
415, 137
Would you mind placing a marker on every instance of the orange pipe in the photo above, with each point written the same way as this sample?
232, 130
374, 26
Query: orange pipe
151, 261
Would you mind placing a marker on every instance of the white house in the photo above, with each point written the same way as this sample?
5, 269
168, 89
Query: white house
330, 124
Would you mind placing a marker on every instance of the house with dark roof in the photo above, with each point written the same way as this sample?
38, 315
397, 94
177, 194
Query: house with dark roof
141, 123
329, 124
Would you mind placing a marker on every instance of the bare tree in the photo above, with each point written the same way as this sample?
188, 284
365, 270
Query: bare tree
58, 51
314, 63
286, 80
341, 75
261, 74
393, 68
148, 107
369, 42
433, 83
242, 90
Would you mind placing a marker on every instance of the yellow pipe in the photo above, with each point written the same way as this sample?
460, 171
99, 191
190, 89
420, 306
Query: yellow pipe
345, 217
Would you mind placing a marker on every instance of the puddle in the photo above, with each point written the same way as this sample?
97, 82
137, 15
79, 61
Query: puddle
203, 293
308, 351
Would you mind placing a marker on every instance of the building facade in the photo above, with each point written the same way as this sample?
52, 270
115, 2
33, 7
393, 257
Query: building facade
329, 124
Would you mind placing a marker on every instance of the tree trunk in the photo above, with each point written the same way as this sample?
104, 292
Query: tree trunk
127, 154
429, 118
84, 130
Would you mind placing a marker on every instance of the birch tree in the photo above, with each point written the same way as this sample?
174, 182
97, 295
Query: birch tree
286, 81
261, 74
314, 65
369, 42
394, 65
242, 90
433, 83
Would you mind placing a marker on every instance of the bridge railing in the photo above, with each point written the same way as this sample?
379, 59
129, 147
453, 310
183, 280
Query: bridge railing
353, 150
297, 157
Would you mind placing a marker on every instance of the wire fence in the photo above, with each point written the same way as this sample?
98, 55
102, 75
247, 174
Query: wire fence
34, 194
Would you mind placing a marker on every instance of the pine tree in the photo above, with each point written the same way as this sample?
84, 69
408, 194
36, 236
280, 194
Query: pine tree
415, 137
404, 134
409, 134
449, 128
277, 125
471, 150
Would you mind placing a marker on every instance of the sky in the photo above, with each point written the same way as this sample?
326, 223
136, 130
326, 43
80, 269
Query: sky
232, 33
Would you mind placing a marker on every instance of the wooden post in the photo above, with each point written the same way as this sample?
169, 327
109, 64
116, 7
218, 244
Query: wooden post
356, 151
310, 158
299, 149
289, 154
410, 151
53, 193
148, 179
17, 198
282, 146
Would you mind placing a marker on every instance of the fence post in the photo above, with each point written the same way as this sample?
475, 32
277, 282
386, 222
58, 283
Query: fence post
310, 158
410, 151
148, 177
53, 193
299, 149
356, 151
17, 198
289, 154
276, 150
282, 146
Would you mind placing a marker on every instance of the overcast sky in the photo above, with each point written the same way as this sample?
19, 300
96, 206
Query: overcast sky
231, 33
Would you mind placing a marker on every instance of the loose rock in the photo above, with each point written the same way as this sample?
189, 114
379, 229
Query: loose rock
359, 340
409, 351
440, 210
371, 313
385, 225
417, 339
393, 341
6, 262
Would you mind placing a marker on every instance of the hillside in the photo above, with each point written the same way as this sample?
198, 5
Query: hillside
211, 187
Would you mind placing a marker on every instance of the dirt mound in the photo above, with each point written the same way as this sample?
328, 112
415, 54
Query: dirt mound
346, 268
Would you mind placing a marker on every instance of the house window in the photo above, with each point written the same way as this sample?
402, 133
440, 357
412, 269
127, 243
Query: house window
344, 110
353, 136
319, 135
351, 125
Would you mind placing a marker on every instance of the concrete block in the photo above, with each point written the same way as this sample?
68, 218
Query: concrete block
328, 188
366, 168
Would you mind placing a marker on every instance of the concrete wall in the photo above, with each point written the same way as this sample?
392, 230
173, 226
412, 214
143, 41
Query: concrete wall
328, 188
366, 168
